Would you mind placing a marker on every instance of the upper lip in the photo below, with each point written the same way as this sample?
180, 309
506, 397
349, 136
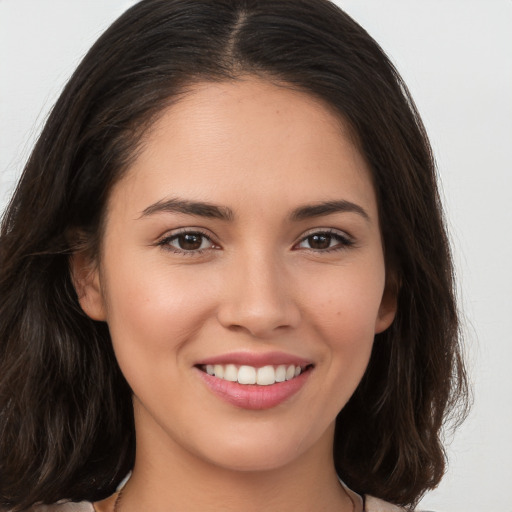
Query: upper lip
255, 359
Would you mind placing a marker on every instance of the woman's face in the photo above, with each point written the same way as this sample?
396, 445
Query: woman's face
242, 245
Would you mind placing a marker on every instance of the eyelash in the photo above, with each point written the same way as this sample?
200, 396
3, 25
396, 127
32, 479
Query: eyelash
343, 241
165, 242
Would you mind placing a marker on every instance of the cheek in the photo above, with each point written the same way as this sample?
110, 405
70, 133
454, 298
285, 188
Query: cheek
340, 308
151, 309
345, 303
343, 309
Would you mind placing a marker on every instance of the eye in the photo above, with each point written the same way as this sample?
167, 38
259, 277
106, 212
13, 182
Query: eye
325, 241
188, 242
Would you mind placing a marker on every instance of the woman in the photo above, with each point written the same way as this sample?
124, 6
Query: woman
225, 273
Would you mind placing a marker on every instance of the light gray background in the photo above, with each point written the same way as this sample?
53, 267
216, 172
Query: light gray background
456, 57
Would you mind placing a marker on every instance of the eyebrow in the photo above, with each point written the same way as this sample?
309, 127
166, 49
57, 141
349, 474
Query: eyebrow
198, 208
327, 208
209, 210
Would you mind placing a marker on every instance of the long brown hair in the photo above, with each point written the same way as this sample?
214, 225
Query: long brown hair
66, 420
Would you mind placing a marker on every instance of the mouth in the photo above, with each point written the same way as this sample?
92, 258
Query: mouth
251, 375
255, 381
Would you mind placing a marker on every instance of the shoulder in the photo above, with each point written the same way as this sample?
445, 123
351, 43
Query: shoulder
375, 505
66, 506
369, 503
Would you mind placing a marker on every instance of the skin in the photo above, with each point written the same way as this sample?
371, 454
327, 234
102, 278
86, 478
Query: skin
260, 283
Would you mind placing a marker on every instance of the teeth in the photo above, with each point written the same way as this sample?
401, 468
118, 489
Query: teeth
218, 371
231, 373
264, 376
281, 373
246, 375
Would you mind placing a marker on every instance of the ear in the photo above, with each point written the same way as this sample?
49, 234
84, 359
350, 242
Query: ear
388, 306
86, 279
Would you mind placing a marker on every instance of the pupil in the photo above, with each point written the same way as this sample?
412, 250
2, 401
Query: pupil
320, 241
189, 242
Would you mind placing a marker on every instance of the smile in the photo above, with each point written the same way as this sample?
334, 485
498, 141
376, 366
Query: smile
263, 376
262, 386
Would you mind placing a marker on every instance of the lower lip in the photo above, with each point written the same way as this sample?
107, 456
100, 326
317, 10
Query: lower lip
252, 396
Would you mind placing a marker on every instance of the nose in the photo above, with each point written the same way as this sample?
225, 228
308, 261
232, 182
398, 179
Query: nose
259, 297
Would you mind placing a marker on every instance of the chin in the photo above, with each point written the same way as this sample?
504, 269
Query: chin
263, 451
254, 461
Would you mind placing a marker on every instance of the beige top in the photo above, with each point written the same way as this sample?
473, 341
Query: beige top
370, 504
366, 504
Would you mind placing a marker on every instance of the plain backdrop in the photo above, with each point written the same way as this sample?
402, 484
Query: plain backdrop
456, 57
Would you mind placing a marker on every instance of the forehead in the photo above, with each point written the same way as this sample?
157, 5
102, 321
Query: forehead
263, 140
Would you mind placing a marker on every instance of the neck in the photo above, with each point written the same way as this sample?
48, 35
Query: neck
167, 478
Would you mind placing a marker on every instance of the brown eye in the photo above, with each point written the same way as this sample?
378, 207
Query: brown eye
325, 241
319, 241
188, 242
